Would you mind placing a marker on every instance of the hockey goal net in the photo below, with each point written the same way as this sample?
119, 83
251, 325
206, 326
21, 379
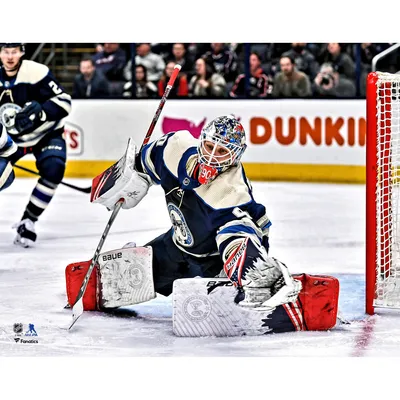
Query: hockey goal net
383, 191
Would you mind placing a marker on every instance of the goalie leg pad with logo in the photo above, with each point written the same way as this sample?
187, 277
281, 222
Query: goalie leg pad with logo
126, 277
208, 307
122, 277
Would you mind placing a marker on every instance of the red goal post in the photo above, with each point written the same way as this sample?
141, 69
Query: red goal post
383, 191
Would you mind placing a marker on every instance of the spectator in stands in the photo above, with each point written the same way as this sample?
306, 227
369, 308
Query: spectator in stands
329, 83
111, 61
223, 60
334, 53
179, 56
290, 82
154, 63
180, 88
303, 58
264, 51
206, 83
90, 83
260, 85
144, 88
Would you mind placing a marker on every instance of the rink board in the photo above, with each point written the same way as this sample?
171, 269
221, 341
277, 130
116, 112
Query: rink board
287, 140
255, 171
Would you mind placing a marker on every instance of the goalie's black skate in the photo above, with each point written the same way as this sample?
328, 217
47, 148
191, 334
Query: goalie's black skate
26, 235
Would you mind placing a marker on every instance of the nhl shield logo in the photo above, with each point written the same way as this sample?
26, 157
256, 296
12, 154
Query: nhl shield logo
18, 328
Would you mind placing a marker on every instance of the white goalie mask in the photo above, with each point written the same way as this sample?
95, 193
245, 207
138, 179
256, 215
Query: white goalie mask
222, 143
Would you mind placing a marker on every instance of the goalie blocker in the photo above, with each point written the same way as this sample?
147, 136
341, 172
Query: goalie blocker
201, 306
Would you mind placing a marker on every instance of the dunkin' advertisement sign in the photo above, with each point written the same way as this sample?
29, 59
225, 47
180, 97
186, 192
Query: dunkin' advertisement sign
278, 131
302, 130
320, 131
292, 131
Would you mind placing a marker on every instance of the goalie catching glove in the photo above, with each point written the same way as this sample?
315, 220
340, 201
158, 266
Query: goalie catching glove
264, 282
121, 181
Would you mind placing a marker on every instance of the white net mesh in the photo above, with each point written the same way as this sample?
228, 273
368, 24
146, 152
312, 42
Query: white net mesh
388, 191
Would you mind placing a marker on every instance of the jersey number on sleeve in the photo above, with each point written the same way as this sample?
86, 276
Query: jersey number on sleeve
55, 88
238, 213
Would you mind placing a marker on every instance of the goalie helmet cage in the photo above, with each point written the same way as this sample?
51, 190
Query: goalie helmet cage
383, 191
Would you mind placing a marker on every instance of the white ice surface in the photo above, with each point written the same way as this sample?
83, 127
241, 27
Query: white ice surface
317, 228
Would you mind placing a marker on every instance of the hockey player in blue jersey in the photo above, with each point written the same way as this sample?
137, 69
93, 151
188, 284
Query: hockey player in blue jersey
32, 110
217, 226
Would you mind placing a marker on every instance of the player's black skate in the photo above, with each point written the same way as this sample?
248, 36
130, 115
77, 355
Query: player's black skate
26, 235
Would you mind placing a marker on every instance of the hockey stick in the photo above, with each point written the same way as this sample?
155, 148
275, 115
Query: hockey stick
77, 308
84, 190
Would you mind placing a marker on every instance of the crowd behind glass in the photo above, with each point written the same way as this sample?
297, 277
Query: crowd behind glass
230, 70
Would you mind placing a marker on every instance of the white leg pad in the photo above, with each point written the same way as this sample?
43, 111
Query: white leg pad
206, 307
126, 277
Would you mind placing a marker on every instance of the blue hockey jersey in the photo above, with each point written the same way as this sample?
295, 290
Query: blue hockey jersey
205, 218
35, 82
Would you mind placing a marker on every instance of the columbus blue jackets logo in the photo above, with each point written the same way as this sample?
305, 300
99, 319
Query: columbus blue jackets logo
182, 232
197, 308
8, 112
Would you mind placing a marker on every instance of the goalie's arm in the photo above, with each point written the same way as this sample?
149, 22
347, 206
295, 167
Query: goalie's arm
150, 160
130, 178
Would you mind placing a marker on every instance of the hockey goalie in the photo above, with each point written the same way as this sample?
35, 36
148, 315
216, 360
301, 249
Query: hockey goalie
215, 258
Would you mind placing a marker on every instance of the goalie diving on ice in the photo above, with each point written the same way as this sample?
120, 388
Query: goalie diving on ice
219, 233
